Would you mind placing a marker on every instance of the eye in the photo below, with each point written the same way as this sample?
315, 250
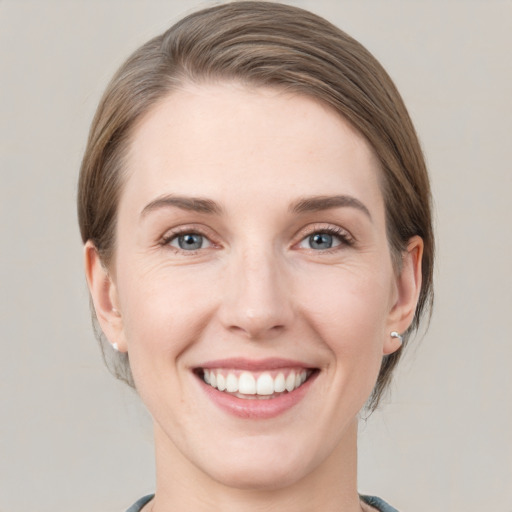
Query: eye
325, 239
322, 241
189, 242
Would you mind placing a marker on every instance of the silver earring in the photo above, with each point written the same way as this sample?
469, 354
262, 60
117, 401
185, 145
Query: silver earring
394, 334
115, 347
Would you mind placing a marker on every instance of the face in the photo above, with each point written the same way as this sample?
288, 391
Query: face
253, 282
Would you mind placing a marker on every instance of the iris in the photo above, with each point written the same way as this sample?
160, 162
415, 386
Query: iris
190, 241
321, 241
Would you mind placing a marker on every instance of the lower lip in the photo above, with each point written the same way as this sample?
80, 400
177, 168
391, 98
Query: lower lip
257, 408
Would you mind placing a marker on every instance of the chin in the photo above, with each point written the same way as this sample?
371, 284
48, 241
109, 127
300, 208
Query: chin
261, 464
259, 477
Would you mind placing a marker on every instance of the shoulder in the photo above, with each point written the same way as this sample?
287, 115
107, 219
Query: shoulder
137, 506
378, 503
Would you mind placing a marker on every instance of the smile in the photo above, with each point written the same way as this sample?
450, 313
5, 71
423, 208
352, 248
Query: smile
255, 389
255, 385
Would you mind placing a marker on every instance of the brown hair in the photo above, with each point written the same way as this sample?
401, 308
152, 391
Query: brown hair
263, 44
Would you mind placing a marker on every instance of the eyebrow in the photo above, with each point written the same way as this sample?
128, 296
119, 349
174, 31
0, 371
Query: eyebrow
318, 203
195, 204
303, 205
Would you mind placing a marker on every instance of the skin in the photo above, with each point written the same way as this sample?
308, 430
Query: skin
256, 289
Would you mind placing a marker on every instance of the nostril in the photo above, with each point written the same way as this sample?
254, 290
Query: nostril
257, 331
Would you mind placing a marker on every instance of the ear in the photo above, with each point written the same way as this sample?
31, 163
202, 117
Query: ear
104, 296
408, 287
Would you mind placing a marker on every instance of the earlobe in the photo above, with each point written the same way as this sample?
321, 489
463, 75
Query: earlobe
408, 286
104, 297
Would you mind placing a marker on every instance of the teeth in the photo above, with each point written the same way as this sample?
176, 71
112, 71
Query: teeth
221, 382
290, 382
279, 383
265, 384
246, 383
231, 383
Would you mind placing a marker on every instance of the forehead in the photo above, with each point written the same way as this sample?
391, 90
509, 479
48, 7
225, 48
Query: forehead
227, 138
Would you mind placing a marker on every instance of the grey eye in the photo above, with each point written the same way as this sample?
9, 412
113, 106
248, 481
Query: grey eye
321, 241
189, 242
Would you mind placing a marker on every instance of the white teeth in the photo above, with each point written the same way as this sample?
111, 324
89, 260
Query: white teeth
263, 385
290, 382
231, 383
247, 384
279, 383
221, 382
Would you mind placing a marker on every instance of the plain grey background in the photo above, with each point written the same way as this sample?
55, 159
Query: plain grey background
73, 439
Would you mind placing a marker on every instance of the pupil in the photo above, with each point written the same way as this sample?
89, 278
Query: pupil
321, 241
190, 241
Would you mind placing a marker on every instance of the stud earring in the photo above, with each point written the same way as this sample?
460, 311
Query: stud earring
394, 334
115, 347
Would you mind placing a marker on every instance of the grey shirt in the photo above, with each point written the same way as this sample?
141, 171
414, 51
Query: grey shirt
373, 501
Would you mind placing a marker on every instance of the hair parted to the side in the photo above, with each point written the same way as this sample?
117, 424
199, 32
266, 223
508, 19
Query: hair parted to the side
270, 45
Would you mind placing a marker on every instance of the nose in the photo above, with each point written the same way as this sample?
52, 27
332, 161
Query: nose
256, 299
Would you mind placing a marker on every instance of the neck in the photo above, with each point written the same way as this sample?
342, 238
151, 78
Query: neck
330, 486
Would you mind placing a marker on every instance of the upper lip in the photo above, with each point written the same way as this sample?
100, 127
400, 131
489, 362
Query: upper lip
254, 365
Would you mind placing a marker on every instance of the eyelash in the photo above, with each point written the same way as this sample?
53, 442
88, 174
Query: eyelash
345, 239
343, 236
185, 230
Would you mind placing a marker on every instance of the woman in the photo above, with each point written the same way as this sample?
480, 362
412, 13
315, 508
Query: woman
255, 211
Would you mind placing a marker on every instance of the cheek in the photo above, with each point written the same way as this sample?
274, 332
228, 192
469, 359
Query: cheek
349, 308
349, 314
164, 308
